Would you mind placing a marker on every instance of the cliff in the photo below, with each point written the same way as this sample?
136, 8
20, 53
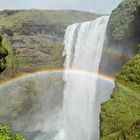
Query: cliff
120, 115
34, 38
123, 33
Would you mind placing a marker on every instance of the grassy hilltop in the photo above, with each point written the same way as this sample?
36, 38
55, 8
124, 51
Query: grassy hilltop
65, 17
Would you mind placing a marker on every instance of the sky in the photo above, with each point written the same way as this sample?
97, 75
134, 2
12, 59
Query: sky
96, 6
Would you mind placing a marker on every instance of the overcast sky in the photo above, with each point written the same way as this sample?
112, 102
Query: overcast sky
98, 6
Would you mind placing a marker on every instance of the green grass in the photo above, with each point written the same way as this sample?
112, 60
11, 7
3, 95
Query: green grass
130, 75
122, 110
129, 133
18, 65
46, 16
11, 61
53, 59
5, 134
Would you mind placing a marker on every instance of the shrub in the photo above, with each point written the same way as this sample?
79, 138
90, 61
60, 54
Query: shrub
6, 135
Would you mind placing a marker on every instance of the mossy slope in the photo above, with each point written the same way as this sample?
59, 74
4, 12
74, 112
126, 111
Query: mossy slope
122, 110
130, 133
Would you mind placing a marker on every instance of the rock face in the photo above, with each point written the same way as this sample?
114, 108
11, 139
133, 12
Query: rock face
124, 17
123, 33
3, 54
120, 115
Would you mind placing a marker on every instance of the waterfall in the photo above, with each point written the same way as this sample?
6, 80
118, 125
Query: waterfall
83, 49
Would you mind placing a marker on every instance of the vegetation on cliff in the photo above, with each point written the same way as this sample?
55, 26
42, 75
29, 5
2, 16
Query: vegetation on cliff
5, 134
129, 133
122, 110
130, 74
5, 129
123, 36
11, 60
120, 115
3, 54
124, 21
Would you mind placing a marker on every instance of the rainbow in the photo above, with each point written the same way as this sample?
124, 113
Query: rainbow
113, 52
57, 70
61, 71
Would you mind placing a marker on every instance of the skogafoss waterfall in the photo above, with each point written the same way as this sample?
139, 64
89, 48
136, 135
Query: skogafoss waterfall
83, 49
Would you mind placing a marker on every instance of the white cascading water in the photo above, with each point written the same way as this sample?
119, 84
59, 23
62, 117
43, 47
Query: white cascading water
83, 49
